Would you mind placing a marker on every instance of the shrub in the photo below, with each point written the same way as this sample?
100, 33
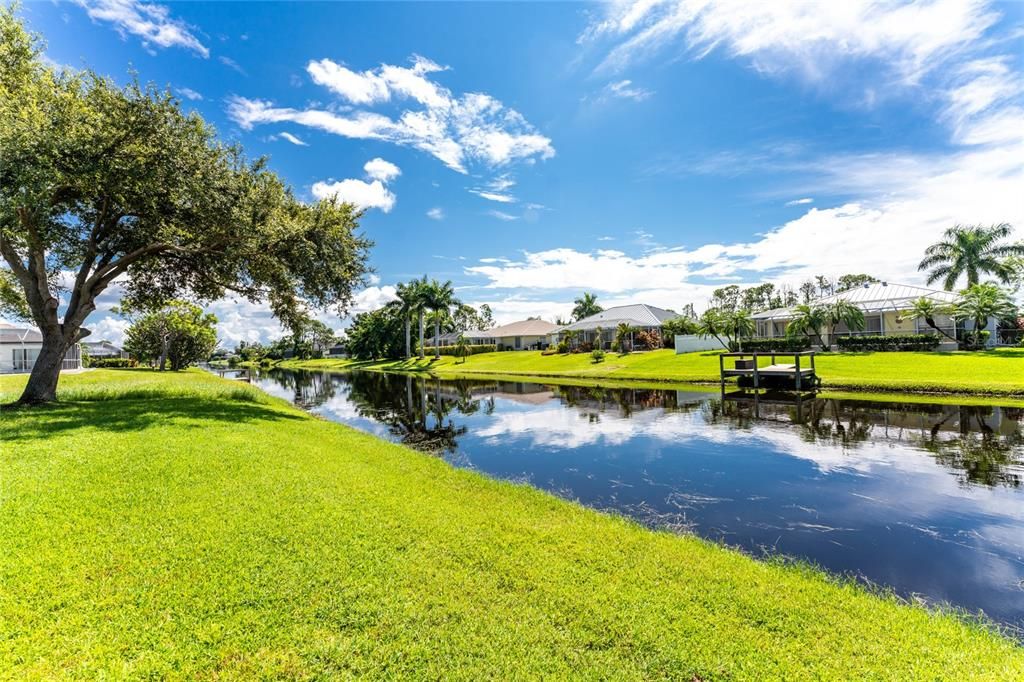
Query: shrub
112, 363
793, 344
470, 349
896, 342
563, 346
596, 355
649, 339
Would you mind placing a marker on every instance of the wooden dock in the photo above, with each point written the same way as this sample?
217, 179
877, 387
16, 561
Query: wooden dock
752, 374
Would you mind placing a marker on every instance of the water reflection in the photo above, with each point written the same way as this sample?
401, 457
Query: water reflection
925, 498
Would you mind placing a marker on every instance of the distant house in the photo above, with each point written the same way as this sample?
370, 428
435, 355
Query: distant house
640, 316
522, 335
884, 305
103, 350
20, 346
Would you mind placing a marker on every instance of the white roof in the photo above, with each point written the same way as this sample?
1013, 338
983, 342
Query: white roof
523, 328
637, 314
873, 298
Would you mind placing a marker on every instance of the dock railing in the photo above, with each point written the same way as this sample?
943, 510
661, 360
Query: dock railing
756, 372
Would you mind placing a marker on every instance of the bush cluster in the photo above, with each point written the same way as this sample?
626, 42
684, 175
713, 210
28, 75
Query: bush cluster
470, 349
112, 363
793, 344
895, 342
596, 355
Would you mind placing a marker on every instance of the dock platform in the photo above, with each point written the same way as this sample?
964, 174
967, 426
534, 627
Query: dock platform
752, 373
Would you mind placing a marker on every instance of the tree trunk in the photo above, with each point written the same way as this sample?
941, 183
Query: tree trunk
164, 350
42, 382
421, 333
408, 338
437, 338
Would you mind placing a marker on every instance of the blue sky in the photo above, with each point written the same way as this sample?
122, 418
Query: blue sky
647, 151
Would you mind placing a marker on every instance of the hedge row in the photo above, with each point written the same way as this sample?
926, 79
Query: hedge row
889, 343
471, 349
780, 344
112, 363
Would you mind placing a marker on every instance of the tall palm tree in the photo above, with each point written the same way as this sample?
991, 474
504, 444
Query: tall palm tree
410, 300
440, 297
742, 326
423, 297
972, 250
845, 312
586, 305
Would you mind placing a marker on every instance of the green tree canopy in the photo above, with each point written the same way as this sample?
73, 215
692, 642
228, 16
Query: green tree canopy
112, 182
585, 306
179, 332
971, 250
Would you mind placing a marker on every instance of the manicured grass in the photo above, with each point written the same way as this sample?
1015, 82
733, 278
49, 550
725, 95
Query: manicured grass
997, 372
213, 532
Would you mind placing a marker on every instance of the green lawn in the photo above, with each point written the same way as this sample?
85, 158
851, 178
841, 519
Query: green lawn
997, 372
183, 526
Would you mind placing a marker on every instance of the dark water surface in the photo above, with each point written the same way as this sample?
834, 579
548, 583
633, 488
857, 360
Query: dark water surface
924, 498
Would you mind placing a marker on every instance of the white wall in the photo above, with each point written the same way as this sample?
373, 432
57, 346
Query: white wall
690, 344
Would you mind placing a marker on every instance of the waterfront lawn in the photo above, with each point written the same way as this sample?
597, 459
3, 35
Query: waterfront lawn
996, 372
184, 526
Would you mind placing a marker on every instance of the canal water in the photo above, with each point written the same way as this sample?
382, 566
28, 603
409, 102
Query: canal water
925, 499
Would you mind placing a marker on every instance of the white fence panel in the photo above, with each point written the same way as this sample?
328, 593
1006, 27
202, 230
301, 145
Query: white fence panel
690, 344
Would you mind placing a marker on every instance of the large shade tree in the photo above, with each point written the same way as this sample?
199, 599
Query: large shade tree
179, 333
102, 184
971, 250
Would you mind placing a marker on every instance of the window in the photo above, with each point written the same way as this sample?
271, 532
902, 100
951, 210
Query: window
519, 342
24, 358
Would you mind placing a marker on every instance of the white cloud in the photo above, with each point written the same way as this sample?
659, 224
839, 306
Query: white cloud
379, 169
501, 215
494, 196
232, 64
906, 39
293, 139
108, 329
363, 194
189, 93
460, 131
798, 202
436, 213
151, 22
625, 89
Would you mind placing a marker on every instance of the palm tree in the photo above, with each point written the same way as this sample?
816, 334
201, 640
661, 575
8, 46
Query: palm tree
926, 309
807, 320
842, 311
440, 297
742, 326
586, 305
712, 323
971, 250
408, 295
980, 302
423, 296
624, 335
462, 347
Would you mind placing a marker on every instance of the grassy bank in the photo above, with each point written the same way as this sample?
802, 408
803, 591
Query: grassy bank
997, 372
184, 526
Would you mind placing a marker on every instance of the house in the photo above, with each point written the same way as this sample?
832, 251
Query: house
640, 316
103, 350
522, 335
885, 306
20, 346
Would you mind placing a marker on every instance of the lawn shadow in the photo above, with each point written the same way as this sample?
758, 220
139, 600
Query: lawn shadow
119, 416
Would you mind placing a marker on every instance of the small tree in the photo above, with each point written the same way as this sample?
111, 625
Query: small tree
808, 321
623, 338
712, 323
926, 309
179, 332
845, 312
461, 348
978, 303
